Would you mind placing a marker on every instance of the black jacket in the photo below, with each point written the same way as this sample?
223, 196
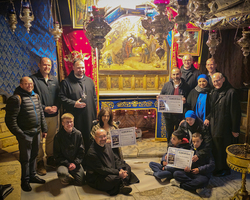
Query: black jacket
25, 120
168, 89
190, 76
199, 127
192, 100
68, 148
48, 92
205, 164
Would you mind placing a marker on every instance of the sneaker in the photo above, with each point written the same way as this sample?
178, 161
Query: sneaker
204, 192
51, 162
40, 169
26, 186
163, 180
174, 182
149, 172
125, 190
36, 179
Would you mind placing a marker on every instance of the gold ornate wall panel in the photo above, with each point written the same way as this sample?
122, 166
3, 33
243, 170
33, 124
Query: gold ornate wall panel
125, 83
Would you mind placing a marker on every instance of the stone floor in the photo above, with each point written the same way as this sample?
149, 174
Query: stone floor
149, 188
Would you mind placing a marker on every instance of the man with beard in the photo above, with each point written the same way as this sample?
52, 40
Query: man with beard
176, 86
189, 72
78, 97
105, 171
224, 118
25, 119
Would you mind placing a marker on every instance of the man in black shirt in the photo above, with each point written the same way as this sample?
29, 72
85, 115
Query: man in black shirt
47, 87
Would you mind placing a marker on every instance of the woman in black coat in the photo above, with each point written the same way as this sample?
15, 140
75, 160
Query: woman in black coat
198, 98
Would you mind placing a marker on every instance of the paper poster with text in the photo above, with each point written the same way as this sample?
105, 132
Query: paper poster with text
123, 137
170, 103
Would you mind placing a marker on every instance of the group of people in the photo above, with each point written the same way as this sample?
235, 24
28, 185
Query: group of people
211, 122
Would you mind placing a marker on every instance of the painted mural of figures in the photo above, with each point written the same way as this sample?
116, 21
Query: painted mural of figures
119, 58
115, 36
152, 46
80, 10
128, 47
144, 53
109, 60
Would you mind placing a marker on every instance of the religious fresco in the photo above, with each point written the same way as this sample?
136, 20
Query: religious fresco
128, 48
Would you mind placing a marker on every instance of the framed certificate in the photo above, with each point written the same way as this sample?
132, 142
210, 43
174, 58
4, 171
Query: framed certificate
179, 158
170, 104
123, 137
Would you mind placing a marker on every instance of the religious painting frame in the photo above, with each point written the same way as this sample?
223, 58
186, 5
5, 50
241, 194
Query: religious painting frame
128, 59
78, 12
197, 48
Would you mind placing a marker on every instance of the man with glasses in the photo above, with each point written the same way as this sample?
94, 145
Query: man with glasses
189, 72
78, 97
224, 119
25, 119
69, 152
105, 171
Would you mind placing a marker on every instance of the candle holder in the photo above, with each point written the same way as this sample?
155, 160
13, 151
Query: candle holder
26, 14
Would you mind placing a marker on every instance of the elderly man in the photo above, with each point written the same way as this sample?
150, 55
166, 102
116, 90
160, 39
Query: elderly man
25, 119
105, 171
47, 87
189, 72
225, 117
176, 86
69, 152
78, 97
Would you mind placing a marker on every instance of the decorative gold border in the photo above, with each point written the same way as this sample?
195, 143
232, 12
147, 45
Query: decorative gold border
198, 43
74, 14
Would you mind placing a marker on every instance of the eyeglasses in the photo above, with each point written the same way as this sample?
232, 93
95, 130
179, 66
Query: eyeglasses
217, 81
186, 60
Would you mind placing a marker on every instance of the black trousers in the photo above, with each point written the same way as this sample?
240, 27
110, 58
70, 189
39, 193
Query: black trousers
172, 123
28, 148
191, 181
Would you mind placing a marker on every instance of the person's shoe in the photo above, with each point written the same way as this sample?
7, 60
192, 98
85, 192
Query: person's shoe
36, 179
51, 162
5, 190
125, 190
26, 186
149, 172
163, 180
40, 169
223, 172
174, 182
204, 192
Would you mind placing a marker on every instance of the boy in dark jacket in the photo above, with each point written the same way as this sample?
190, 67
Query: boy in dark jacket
69, 152
201, 170
161, 171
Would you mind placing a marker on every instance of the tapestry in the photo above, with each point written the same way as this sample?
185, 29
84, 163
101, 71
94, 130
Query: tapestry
140, 104
20, 52
74, 44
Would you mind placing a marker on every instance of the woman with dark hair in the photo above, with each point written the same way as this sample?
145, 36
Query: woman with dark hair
105, 121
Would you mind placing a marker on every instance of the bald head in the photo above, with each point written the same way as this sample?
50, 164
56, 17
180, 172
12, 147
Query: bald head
100, 137
26, 84
218, 80
176, 74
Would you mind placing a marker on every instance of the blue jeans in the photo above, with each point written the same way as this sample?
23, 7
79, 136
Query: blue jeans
159, 173
191, 181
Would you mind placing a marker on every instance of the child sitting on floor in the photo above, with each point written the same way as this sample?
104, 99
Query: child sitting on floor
199, 174
161, 171
193, 124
